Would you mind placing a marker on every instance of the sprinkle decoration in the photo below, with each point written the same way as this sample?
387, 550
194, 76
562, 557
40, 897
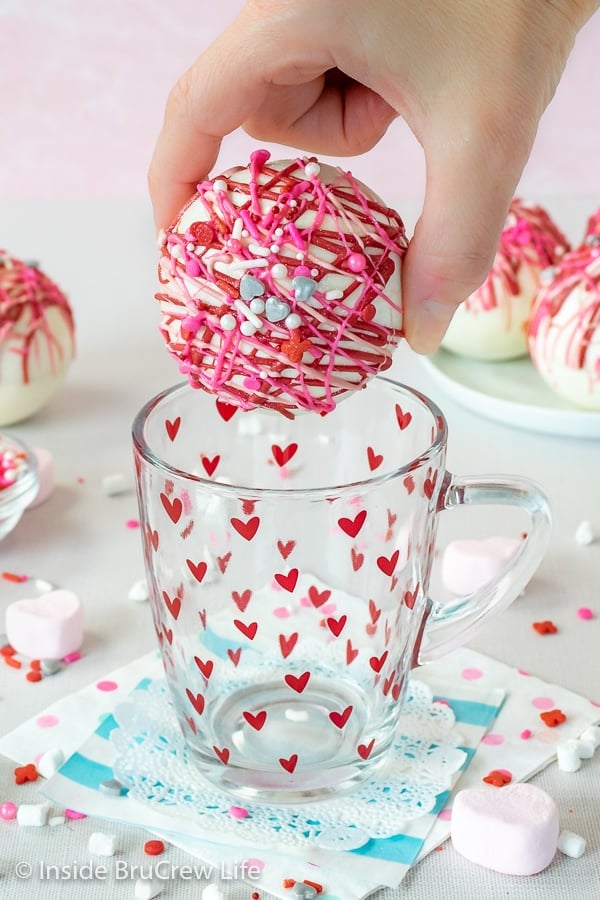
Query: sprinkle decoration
281, 285
529, 238
545, 627
553, 717
498, 778
27, 297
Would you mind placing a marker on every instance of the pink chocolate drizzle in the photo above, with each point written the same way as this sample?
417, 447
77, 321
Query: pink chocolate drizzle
26, 296
570, 341
529, 237
339, 343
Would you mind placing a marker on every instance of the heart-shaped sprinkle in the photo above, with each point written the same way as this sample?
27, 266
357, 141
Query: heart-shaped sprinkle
276, 309
251, 287
303, 287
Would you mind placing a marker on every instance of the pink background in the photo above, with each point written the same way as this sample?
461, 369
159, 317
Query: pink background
83, 85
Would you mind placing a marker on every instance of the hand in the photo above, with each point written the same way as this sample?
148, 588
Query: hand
471, 78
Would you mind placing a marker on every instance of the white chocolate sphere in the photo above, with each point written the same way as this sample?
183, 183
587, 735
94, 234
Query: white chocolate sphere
564, 332
322, 253
36, 339
492, 323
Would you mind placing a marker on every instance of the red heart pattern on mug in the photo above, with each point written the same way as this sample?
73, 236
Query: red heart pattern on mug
288, 582
374, 459
282, 455
210, 465
351, 527
242, 600
172, 427
248, 630
317, 597
285, 548
339, 719
256, 720
197, 701
206, 666
173, 508
290, 763
198, 569
288, 643
297, 682
246, 529
173, 605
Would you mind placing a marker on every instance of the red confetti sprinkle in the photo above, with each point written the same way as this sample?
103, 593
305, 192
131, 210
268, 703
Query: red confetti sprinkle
255, 895
7, 650
35, 664
498, 778
13, 662
26, 773
553, 717
545, 627
32, 675
154, 848
73, 814
289, 882
314, 884
12, 576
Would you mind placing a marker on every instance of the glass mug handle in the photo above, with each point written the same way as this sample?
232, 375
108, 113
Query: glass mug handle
451, 625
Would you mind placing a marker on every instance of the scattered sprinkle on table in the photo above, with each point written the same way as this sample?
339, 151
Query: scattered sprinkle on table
553, 717
154, 848
545, 627
498, 778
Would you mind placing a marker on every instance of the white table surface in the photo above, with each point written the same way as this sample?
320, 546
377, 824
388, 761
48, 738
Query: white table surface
103, 254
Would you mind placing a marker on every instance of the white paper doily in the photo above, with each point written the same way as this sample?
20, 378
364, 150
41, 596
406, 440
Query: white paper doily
153, 762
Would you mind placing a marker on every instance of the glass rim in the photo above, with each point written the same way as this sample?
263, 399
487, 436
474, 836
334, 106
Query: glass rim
438, 442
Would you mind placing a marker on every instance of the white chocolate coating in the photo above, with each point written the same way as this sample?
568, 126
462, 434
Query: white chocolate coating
491, 324
564, 335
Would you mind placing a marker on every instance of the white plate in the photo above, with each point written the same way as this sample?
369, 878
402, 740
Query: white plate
512, 393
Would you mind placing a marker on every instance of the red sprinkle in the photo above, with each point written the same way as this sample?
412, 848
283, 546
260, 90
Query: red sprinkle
12, 661
73, 814
7, 650
553, 717
26, 773
35, 664
546, 627
498, 778
314, 884
33, 676
289, 882
255, 895
12, 576
154, 848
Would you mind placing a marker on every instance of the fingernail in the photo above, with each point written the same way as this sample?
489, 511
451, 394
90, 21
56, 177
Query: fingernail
431, 326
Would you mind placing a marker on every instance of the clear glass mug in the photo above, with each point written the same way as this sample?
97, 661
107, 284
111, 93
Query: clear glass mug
288, 565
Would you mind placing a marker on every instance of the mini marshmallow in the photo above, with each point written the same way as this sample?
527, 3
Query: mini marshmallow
45, 463
115, 484
567, 756
33, 814
585, 749
591, 734
212, 892
139, 591
46, 627
571, 844
585, 533
50, 762
43, 586
513, 830
467, 565
101, 844
146, 889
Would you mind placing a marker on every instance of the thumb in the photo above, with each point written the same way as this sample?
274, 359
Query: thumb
468, 192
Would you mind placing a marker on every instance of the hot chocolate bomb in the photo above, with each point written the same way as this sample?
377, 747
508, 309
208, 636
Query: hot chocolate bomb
281, 285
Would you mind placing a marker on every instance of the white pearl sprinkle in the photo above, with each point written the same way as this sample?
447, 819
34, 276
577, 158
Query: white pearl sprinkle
312, 169
334, 295
293, 203
274, 248
219, 185
247, 328
257, 305
190, 246
293, 321
278, 232
314, 272
227, 322
278, 270
299, 255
